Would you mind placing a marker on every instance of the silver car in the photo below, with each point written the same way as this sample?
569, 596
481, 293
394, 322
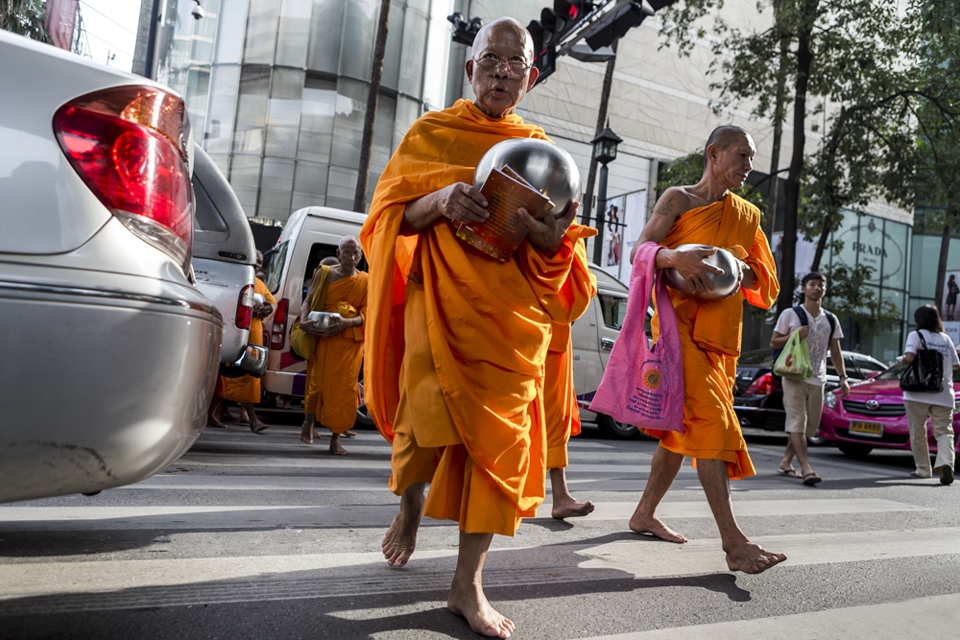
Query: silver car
223, 263
108, 352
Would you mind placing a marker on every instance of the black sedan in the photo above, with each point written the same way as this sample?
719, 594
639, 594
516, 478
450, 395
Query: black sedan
758, 396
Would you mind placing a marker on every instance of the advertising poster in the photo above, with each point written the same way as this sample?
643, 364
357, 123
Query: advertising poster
613, 235
635, 216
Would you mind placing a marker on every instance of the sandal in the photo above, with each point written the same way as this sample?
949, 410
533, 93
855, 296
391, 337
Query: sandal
790, 473
811, 479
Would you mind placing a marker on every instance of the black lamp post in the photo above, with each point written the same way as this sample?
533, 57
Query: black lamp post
604, 151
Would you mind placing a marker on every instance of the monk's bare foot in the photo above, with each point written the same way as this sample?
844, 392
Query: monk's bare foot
349, 434
307, 433
258, 427
335, 447
401, 538
752, 558
651, 525
470, 603
568, 507
213, 422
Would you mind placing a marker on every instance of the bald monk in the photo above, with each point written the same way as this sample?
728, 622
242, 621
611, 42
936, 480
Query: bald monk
332, 394
245, 390
708, 213
456, 339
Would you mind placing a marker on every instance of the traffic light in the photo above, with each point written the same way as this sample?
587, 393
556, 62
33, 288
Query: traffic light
615, 24
554, 25
464, 32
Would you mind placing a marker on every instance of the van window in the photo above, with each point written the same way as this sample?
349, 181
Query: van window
614, 309
273, 261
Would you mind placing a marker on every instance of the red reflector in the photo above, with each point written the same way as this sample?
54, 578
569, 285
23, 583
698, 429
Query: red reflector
279, 334
245, 307
761, 386
126, 145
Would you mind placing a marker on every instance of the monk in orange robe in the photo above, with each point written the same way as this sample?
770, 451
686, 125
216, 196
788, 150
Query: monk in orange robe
456, 339
708, 213
245, 390
333, 370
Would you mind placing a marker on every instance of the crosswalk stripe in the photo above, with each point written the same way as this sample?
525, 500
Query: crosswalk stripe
932, 617
635, 556
705, 556
745, 508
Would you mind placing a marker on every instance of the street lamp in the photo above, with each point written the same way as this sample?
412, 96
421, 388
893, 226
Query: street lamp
604, 151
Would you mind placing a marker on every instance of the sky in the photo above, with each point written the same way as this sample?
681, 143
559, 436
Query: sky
111, 30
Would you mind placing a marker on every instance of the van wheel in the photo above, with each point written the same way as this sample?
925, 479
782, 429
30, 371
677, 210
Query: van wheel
613, 429
855, 451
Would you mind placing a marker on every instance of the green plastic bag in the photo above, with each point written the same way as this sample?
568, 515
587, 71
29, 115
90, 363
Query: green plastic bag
794, 360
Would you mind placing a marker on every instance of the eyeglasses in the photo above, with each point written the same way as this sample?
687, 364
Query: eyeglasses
490, 62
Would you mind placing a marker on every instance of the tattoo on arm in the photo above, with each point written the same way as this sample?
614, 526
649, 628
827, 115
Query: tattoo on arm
666, 208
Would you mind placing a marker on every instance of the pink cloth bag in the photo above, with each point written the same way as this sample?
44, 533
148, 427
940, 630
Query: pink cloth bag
643, 386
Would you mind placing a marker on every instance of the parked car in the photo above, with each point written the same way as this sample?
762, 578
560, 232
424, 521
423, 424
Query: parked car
758, 395
109, 351
224, 255
873, 416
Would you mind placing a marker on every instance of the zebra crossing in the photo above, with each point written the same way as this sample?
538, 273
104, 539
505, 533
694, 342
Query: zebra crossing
273, 538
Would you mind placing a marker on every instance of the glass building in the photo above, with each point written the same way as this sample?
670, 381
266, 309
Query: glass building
277, 90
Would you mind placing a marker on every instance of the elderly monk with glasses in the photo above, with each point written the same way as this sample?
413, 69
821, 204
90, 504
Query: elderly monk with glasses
456, 339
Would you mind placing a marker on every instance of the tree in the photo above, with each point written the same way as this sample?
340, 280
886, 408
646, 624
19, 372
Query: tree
25, 17
853, 59
373, 100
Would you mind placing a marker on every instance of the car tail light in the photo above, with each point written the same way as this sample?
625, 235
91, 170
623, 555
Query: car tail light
762, 386
245, 307
129, 146
279, 334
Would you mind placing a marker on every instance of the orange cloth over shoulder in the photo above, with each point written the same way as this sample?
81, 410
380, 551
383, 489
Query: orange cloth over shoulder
334, 368
247, 388
488, 323
710, 333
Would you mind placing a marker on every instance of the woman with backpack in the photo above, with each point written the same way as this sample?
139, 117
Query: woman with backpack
937, 405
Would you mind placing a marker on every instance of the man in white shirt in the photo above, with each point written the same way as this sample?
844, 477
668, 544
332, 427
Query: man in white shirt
803, 399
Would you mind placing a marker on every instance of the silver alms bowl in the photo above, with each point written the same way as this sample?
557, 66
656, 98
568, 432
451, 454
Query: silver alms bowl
543, 164
724, 285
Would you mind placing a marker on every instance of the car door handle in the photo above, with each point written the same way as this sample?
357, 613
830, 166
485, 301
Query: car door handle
606, 343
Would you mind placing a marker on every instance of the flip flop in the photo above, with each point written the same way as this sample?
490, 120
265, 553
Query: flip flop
790, 473
811, 479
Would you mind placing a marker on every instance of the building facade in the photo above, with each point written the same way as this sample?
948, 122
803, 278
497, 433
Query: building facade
277, 92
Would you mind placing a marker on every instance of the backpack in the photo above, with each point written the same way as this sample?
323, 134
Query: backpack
802, 314
925, 373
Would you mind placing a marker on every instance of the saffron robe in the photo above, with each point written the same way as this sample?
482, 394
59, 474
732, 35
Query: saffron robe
561, 412
710, 332
454, 368
247, 388
333, 371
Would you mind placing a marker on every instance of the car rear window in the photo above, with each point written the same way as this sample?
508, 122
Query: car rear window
763, 357
894, 373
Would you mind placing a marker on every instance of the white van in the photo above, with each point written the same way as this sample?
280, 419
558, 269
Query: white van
313, 233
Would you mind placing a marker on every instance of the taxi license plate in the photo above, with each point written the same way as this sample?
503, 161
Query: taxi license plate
872, 429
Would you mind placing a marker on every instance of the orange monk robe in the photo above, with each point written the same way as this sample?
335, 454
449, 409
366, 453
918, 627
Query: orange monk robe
561, 413
710, 333
333, 370
469, 343
247, 388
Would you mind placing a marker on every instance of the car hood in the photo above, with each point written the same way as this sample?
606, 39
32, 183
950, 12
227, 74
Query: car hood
872, 388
